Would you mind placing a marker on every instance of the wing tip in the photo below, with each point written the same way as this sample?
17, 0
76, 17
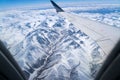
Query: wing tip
58, 9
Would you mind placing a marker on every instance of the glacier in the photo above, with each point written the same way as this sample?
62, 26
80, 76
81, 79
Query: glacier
48, 47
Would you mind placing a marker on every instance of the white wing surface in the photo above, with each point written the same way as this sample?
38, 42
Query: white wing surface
106, 36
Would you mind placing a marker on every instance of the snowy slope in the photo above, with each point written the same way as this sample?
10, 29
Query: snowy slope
48, 47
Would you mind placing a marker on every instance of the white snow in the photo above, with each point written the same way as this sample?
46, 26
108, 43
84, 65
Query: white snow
47, 45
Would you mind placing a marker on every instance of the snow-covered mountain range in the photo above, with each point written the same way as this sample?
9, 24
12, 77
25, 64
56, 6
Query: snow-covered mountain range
48, 47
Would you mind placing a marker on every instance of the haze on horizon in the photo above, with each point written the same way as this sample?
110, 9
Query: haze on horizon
4, 4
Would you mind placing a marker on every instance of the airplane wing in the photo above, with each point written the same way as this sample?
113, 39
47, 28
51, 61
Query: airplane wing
105, 36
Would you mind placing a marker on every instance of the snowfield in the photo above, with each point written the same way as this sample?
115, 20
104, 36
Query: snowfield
48, 47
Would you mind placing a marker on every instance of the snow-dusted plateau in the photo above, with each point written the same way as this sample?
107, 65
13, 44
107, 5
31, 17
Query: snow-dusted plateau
48, 47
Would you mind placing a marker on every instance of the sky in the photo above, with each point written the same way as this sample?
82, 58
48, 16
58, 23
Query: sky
20, 3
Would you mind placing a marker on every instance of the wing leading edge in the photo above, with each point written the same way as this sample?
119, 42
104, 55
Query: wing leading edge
106, 36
